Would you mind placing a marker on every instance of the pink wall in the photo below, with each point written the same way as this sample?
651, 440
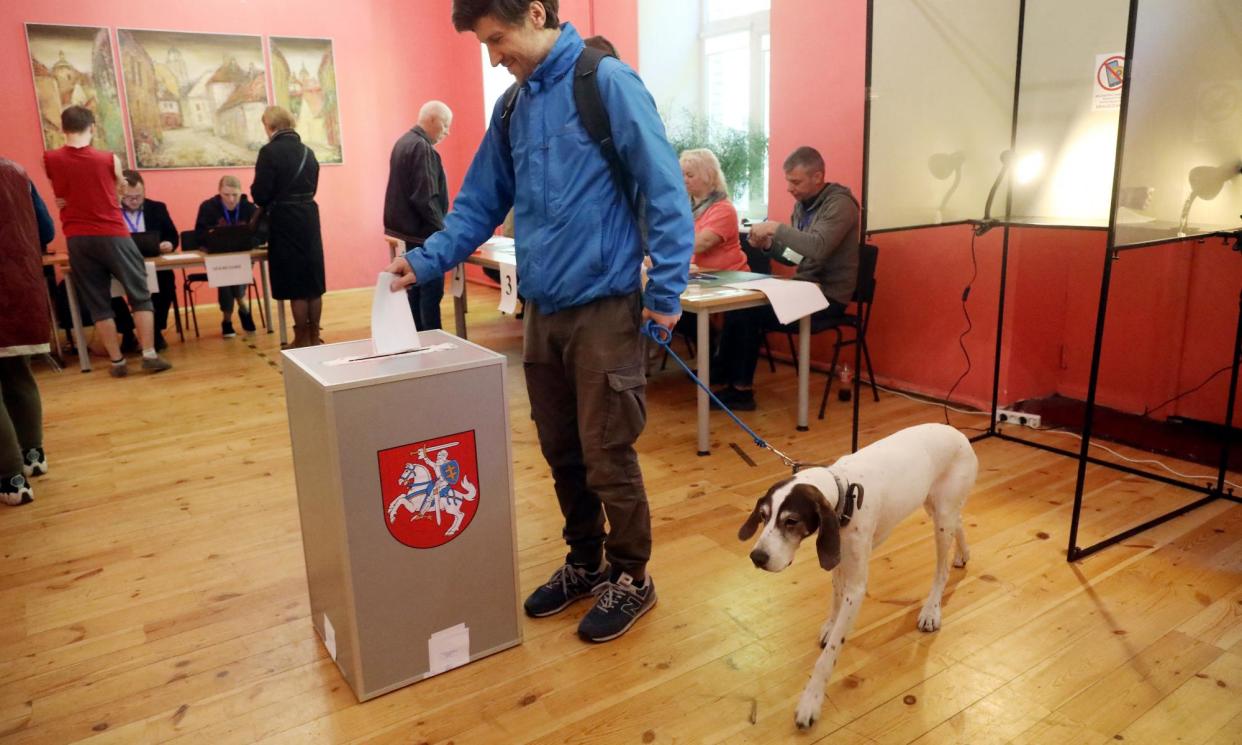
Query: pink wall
1172, 311
617, 20
390, 57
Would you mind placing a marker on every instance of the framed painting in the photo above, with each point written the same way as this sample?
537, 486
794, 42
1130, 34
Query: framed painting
194, 100
73, 65
304, 82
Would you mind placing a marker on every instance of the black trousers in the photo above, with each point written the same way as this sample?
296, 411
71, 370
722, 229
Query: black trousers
742, 336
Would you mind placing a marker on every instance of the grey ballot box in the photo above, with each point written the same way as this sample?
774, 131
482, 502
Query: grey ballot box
404, 483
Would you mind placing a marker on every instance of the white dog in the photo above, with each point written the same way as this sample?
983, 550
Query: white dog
855, 504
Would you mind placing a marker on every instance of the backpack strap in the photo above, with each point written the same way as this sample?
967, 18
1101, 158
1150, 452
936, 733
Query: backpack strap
595, 120
506, 113
594, 116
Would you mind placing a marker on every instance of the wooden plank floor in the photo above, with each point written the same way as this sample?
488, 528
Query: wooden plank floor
155, 591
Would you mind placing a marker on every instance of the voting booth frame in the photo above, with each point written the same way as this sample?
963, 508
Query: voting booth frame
1208, 493
404, 482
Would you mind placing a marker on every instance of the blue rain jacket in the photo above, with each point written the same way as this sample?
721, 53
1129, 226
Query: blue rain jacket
578, 239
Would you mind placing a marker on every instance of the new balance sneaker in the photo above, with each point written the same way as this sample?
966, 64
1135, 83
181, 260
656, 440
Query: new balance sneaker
155, 364
226, 330
566, 585
16, 490
35, 462
619, 604
247, 320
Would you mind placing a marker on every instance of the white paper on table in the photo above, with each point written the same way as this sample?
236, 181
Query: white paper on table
448, 649
791, 299
178, 257
329, 637
499, 241
508, 287
458, 285
392, 324
153, 281
228, 270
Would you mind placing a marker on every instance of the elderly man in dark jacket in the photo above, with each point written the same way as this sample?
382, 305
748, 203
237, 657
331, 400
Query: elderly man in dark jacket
23, 331
286, 177
417, 199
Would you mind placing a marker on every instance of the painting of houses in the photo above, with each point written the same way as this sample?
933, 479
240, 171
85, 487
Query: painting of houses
304, 82
194, 100
73, 65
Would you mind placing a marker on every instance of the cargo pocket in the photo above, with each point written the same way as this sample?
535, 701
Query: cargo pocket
627, 406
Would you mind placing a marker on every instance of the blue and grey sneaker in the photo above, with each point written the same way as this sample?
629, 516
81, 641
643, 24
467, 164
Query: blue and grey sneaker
567, 584
34, 462
619, 604
16, 490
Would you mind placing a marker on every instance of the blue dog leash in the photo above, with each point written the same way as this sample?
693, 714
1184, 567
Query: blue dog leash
664, 337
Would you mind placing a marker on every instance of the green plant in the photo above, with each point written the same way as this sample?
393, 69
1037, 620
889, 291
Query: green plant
742, 155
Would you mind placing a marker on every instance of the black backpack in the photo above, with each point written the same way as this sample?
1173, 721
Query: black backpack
594, 118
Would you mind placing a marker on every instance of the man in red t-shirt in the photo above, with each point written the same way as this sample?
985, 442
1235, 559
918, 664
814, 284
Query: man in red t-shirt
86, 182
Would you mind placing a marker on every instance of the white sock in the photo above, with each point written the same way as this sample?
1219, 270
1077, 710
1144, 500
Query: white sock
149, 353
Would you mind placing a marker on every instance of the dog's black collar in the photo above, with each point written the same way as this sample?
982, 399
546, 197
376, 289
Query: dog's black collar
849, 496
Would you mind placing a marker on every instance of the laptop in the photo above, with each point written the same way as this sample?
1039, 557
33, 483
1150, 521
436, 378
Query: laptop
227, 239
148, 243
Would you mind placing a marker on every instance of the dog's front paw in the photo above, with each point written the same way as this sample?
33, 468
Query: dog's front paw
929, 618
807, 713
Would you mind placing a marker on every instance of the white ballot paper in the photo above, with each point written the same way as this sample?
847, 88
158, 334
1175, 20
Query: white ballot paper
392, 324
153, 280
458, 285
227, 270
791, 299
448, 648
508, 286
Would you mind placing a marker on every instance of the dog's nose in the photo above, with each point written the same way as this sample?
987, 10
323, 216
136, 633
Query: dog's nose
760, 558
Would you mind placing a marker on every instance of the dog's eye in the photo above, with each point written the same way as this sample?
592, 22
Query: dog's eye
791, 522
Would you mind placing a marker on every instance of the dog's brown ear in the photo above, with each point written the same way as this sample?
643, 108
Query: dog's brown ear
752, 523
828, 543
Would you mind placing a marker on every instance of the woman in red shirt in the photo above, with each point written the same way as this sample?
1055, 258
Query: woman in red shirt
716, 245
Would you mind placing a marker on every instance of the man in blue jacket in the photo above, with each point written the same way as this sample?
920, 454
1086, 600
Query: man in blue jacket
579, 257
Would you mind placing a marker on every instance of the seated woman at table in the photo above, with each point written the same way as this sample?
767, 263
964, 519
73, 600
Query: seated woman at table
228, 207
716, 244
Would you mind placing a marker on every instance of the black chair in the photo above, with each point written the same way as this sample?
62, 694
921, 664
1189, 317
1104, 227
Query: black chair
859, 320
189, 242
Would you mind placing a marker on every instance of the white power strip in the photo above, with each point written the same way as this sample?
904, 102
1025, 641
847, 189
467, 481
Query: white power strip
1020, 418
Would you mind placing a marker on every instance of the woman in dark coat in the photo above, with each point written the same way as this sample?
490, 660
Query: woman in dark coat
24, 330
286, 176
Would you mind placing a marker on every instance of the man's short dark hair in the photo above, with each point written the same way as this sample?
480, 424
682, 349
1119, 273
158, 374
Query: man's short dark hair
76, 119
466, 13
806, 157
133, 178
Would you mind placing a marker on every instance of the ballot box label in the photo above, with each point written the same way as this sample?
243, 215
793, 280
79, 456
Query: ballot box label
430, 489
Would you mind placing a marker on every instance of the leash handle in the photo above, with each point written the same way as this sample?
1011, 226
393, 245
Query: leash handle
664, 337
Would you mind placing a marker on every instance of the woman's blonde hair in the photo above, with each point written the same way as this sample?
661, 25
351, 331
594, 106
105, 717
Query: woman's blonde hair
278, 118
705, 163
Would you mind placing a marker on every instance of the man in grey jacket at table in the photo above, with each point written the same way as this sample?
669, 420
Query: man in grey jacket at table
821, 239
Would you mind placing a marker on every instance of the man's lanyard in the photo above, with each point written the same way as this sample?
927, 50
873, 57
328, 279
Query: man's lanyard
231, 219
133, 224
